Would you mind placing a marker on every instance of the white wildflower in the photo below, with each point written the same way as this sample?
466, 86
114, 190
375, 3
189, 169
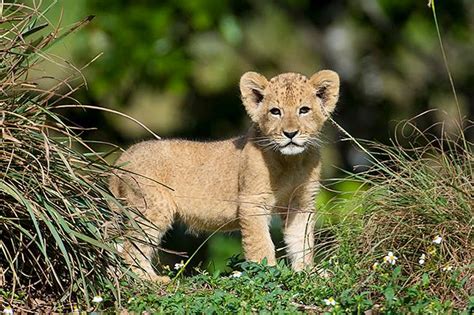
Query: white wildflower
97, 299
422, 259
236, 274
390, 258
437, 239
178, 266
7, 310
330, 301
447, 268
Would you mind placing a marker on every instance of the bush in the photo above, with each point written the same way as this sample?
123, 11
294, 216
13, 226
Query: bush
407, 233
57, 232
420, 207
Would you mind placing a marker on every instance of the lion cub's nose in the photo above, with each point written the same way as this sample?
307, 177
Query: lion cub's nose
290, 134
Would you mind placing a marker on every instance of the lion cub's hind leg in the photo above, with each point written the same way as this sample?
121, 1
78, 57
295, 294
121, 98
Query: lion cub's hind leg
158, 210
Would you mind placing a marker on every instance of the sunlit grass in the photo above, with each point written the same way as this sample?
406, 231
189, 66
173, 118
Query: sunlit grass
420, 194
58, 233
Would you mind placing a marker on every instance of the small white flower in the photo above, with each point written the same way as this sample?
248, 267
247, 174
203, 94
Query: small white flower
447, 268
422, 259
97, 299
236, 274
330, 301
437, 239
178, 266
7, 310
375, 266
390, 258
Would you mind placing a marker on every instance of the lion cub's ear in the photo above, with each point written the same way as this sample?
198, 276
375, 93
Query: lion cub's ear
326, 88
252, 87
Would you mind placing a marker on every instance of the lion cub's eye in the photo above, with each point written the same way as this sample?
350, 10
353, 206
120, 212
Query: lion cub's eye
275, 111
304, 110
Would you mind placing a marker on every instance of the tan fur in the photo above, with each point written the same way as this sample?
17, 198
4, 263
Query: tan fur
238, 183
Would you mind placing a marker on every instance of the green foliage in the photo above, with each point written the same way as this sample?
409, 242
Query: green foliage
57, 231
152, 39
420, 206
220, 248
258, 288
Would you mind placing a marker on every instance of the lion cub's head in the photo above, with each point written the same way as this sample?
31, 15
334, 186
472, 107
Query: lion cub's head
289, 109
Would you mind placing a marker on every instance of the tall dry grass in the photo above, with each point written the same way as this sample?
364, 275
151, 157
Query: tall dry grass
417, 194
57, 233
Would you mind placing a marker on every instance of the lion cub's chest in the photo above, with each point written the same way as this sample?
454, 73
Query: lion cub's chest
290, 185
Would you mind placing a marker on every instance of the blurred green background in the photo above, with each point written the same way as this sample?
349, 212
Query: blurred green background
175, 66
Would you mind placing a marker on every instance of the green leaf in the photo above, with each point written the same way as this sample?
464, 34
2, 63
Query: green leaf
389, 294
425, 279
34, 30
59, 243
396, 272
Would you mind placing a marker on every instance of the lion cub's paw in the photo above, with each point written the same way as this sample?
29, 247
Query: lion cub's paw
161, 279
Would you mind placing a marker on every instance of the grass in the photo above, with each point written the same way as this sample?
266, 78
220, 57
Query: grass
58, 233
257, 288
431, 195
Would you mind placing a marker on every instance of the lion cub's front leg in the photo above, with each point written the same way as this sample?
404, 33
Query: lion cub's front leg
256, 240
299, 238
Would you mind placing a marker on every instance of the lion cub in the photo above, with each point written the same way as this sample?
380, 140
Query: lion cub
238, 183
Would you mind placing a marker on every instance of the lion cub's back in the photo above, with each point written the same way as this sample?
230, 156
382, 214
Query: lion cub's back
191, 168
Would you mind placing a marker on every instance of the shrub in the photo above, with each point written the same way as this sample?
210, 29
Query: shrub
420, 207
411, 226
57, 233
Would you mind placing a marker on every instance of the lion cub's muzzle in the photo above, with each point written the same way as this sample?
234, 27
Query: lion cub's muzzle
291, 143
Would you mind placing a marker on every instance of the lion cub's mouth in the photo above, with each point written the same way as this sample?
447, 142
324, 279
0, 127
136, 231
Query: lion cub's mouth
292, 148
292, 143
